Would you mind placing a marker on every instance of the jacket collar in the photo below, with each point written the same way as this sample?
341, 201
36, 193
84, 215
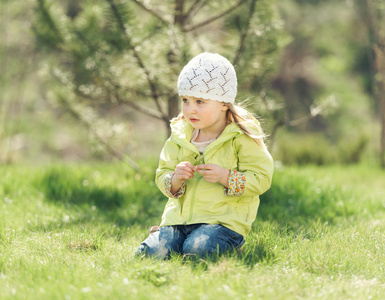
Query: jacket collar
182, 132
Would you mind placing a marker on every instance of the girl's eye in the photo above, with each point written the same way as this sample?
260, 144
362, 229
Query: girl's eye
184, 100
200, 101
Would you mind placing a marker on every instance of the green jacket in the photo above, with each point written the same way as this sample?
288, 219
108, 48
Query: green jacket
212, 203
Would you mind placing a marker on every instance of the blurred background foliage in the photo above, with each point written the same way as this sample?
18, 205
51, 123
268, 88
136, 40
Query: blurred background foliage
96, 80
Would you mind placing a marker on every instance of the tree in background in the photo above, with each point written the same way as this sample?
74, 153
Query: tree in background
16, 64
323, 79
129, 53
374, 19
91, 66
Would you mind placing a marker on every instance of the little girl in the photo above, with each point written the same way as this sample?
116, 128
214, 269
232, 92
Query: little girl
213, 167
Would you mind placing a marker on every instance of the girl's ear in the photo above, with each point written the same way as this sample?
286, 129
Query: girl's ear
224, 107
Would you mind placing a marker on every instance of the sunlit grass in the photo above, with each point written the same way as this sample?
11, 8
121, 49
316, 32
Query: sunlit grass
70, 232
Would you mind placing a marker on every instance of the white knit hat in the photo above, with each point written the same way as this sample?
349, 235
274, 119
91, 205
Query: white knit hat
208, 76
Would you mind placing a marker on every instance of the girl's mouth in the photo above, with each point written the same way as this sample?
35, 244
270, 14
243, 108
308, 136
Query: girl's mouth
192, 120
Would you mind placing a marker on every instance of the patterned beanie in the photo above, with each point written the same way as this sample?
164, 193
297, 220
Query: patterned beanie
208, 76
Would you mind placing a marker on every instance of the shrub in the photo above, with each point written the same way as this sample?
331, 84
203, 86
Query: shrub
316, 149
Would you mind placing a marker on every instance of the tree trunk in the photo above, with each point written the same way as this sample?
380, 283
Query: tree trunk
383, 132
178, 13
379, 51
374, 21
173, 100
173, 107
173, 111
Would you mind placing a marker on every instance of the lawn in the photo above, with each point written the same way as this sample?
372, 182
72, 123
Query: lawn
70, 232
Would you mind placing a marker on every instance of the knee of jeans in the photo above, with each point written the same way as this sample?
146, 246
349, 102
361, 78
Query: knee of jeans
198, 246
162, 250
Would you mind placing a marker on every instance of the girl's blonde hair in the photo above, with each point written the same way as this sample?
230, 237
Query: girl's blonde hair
244, 119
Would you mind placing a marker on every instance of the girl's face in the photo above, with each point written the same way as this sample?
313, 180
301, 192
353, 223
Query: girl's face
207, 115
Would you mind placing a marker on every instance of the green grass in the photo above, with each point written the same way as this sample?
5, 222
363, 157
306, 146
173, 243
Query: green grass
70, 232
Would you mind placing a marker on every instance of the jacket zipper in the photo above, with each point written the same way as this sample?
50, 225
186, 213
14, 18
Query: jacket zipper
192, 202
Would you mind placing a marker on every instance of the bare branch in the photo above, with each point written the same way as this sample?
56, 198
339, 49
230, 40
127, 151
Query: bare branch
291, 123
245, 33
125, 159
148, 111
198, 4
276, 126
150, 11
150, 81
301, 121
315, 111
145, 110
208, 21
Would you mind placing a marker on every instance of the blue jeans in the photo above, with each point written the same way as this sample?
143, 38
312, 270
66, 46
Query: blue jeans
198, 239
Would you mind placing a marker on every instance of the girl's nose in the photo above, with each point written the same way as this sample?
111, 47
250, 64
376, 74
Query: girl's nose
192, 108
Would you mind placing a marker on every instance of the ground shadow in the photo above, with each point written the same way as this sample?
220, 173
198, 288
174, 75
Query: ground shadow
298, 201
92, 203
294, 205
291, 202
59, 186
249, 256
255, 253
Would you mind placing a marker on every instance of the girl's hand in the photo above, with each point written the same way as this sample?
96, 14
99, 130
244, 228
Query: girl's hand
183, 171
214, 173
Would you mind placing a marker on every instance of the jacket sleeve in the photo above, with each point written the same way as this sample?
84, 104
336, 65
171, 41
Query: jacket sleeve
255, 168
166, 169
